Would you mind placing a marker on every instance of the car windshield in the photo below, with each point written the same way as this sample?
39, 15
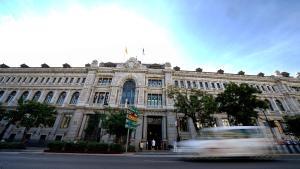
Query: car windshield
230, 134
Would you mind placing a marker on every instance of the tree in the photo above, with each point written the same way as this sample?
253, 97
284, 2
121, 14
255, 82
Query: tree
176, 68
199, 69
115, 124
220, 71
240, 102
292, 123
241, 73
11, 116
197, 105
35, 114
94, 127
285, 74
29, 114
261, 74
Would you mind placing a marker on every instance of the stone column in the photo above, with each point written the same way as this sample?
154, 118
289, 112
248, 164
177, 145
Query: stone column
56, 125
74, 125
55, 96
14, 101
43, 95
84, 120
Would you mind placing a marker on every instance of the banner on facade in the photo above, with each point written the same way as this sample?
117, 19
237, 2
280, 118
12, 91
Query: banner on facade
132, 117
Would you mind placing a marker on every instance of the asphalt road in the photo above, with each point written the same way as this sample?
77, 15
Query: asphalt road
19, 160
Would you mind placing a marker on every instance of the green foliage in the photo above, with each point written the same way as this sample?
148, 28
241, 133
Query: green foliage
292, 123
56, 146
197, 105
176, 68
36, 114
239, 102
75, 147
241, 73
92, 128
115, 124
116, 148
199, 69
261, 74
11, 145
95, 147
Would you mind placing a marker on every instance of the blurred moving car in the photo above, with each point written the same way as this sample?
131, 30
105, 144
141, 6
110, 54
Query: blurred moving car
235, 141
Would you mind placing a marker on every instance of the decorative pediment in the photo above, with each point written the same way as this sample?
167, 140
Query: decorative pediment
133, 63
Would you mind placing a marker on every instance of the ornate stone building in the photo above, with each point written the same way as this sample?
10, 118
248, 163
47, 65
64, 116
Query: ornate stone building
78, 92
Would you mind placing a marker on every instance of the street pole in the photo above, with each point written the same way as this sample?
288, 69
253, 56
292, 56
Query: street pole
127, 138
126, 147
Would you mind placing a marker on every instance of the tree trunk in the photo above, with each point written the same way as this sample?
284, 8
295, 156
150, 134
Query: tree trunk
4, 130
195, 124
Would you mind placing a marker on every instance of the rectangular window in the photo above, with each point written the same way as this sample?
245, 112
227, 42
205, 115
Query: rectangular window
176, 83
71, 81
194, 84
53, 81
30, 80
42, 80
59, 80
24, 79
154, 83
35, 80
66, 80
104, 81
47, 79
101, 98
206, 85
78, 80
12, 80
83, 80
66, 121
7, 79
201, 84
213, 85
182, 84
19, 79
218, 85
189, 84
154, 100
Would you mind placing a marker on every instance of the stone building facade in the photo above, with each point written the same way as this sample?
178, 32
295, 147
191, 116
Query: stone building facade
78, 92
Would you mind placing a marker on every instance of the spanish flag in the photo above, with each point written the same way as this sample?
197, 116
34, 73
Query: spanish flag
126, 51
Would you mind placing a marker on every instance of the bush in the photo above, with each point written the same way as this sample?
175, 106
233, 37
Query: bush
115, 148
12, 145
56, 146
97, 147
131, 148
75, 147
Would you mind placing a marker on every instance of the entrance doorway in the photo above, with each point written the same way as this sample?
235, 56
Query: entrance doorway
154, 132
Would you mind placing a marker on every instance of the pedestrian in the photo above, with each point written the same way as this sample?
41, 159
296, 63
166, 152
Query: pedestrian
153, 144
141, 146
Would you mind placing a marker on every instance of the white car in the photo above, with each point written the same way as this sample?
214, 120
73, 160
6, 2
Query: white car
235, 141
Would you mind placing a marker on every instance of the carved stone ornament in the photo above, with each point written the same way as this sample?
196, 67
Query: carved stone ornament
132, 63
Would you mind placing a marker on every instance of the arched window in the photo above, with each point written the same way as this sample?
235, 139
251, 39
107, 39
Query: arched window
48, 97
10, 97
270, 107
24, 95
1, 93
36, 96
74, 98
279, 105
128, 92
61, 98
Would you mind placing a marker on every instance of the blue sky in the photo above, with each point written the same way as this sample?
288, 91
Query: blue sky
250, 35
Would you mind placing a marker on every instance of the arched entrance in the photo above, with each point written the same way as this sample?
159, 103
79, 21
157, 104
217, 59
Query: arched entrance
128, 92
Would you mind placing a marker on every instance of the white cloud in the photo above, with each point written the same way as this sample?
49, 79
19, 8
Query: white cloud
80, 35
